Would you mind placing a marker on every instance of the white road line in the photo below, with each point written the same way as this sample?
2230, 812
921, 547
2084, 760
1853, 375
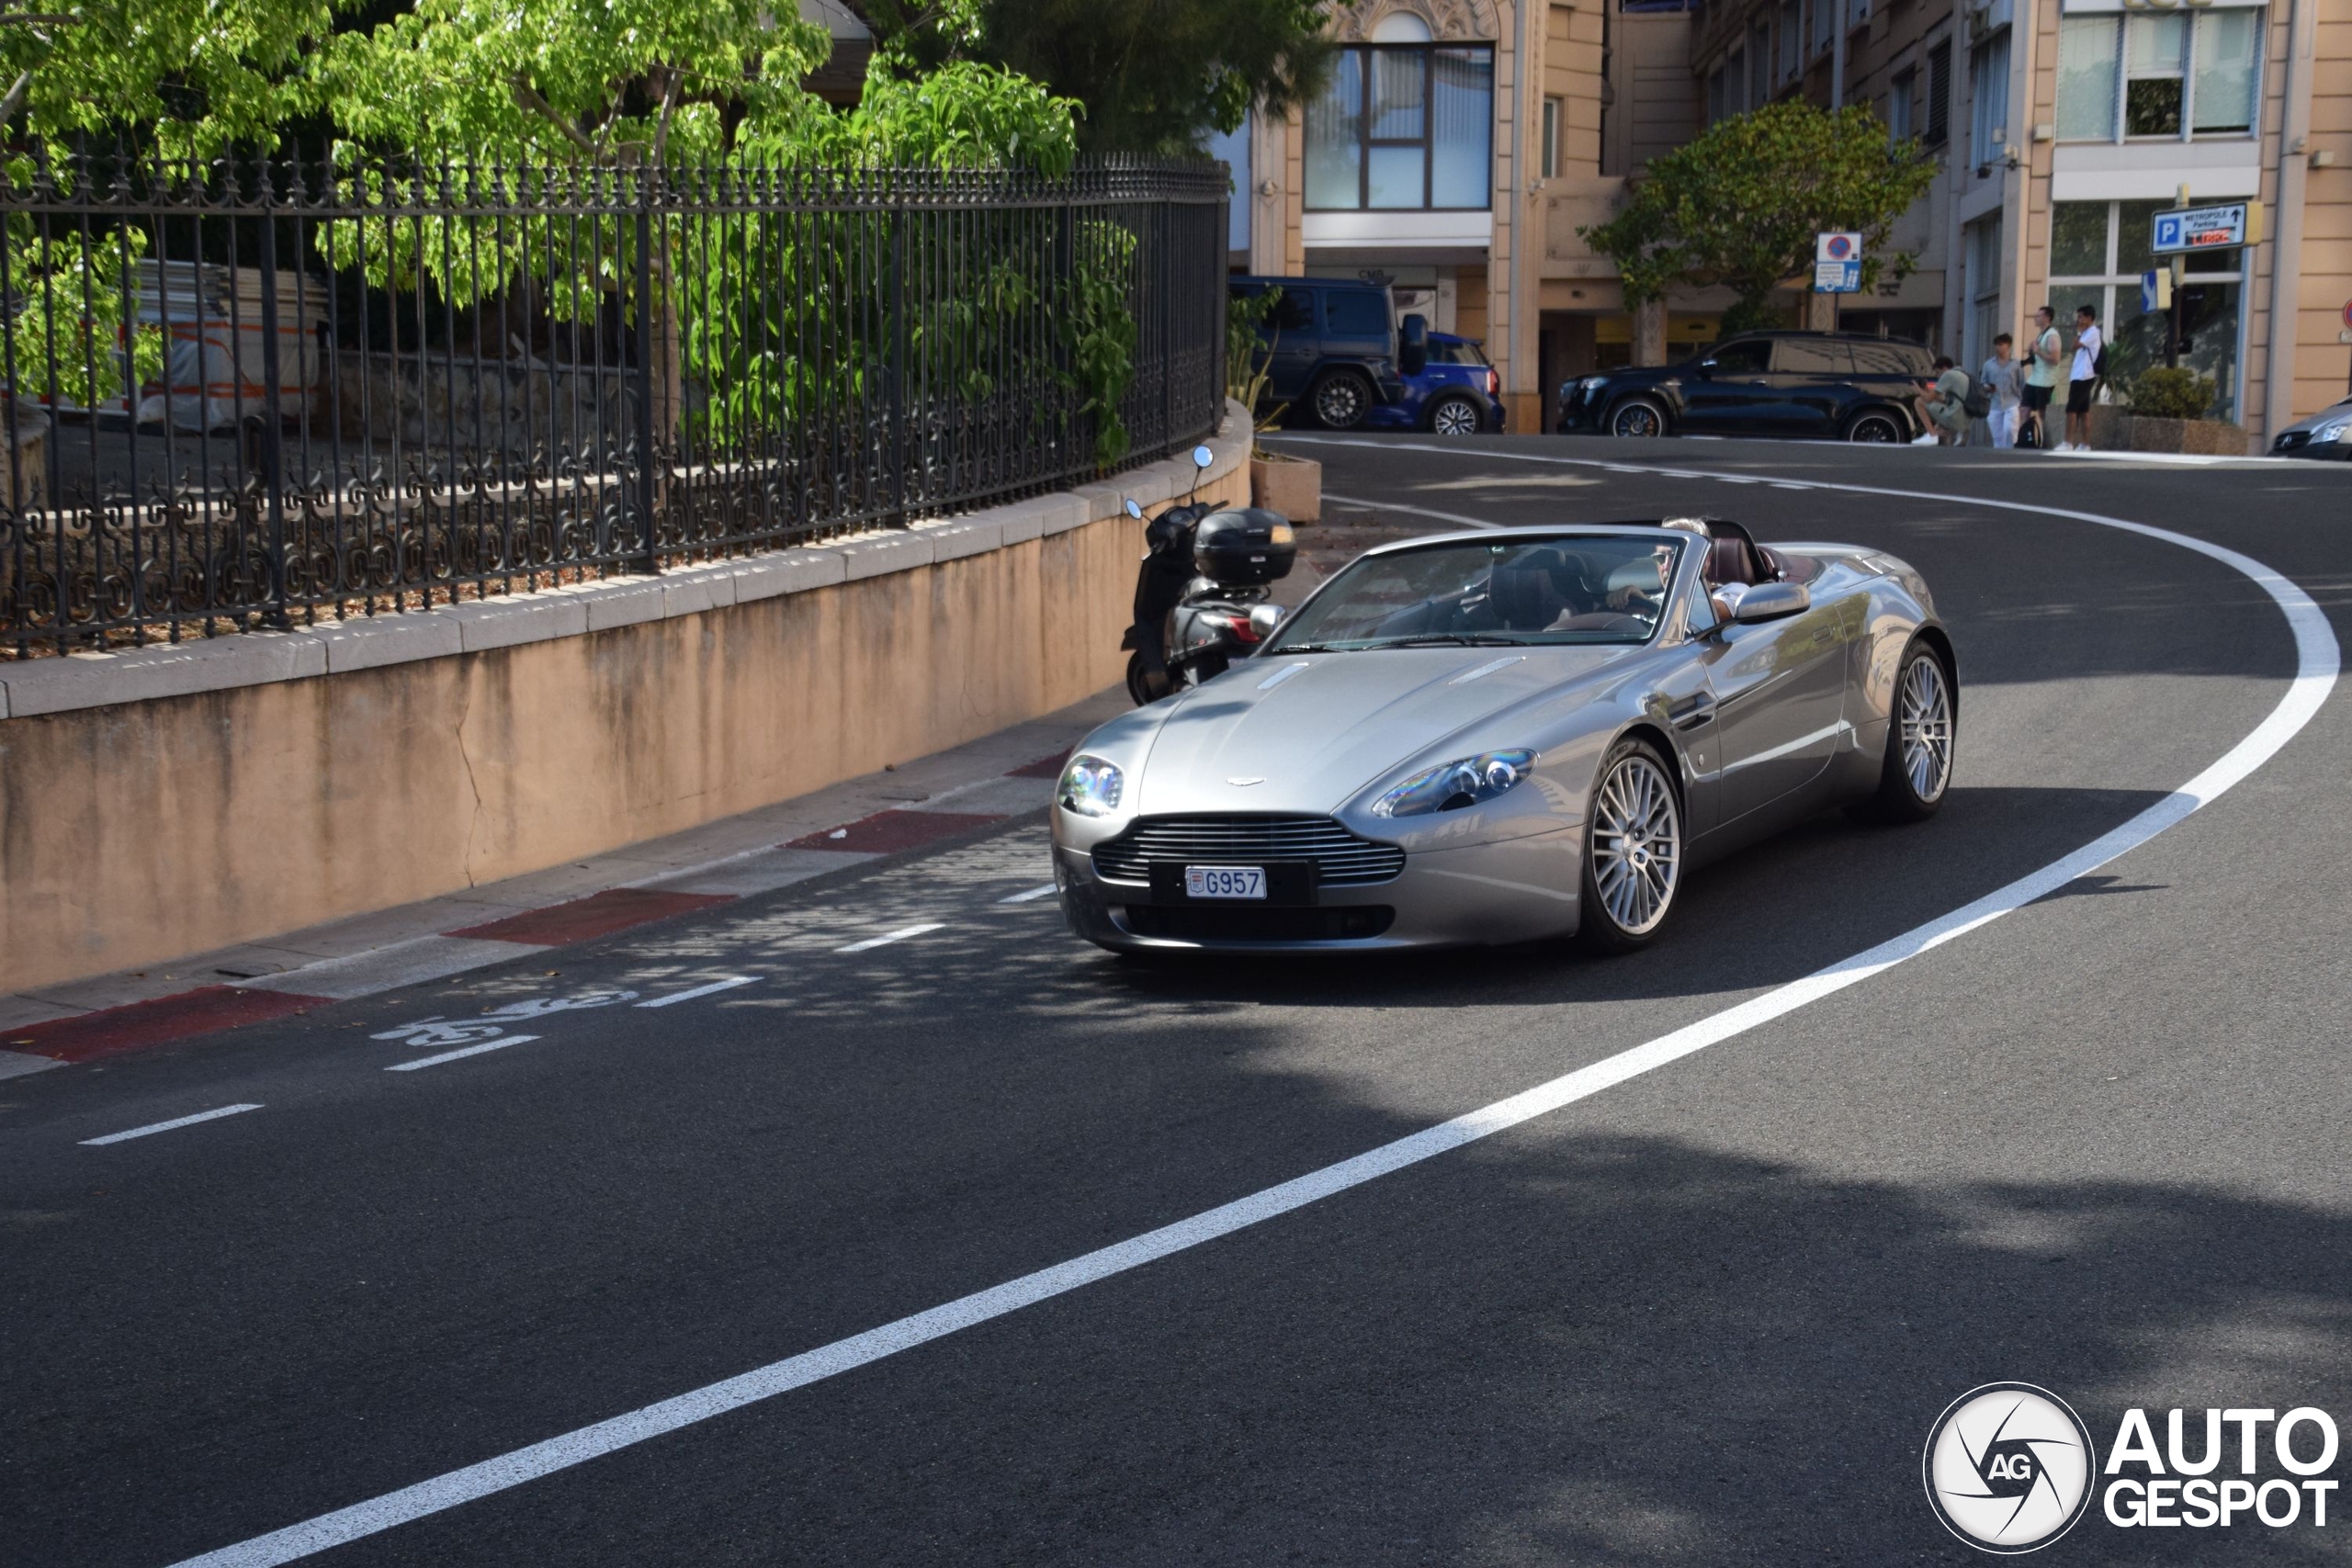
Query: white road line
500, 1043
1025, 897
166, 1127
1418, 511
2317, 661
887, 938
712, 989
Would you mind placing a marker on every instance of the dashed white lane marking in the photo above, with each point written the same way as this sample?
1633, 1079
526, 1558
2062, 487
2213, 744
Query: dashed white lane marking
500, 1043
2317, 661
1025, 897
154, 1127
1417, 511
887, 938
712, 989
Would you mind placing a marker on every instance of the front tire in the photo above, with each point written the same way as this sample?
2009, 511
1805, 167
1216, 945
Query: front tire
1455, 415
1876, 427
1632, 851
1637, 417
1341, 400
1921, 733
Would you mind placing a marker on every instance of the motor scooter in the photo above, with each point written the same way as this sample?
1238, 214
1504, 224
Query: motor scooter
1203, 591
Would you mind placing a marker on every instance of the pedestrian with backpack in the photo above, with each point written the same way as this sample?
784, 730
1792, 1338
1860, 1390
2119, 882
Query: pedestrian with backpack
2090, 365
1944, 406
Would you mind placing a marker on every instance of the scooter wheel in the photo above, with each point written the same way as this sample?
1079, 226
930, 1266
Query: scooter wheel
1136, 688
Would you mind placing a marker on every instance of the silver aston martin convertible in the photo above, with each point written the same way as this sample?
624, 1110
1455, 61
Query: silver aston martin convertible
1499, 737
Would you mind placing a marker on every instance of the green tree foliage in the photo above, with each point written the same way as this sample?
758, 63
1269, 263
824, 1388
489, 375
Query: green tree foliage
1740, 205
1155, 75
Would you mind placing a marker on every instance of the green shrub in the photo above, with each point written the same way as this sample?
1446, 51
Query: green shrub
2182, 393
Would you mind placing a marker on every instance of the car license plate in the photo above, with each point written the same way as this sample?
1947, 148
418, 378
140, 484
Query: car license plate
1225, 881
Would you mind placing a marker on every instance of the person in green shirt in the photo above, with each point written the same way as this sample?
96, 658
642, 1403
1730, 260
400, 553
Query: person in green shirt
2042, 372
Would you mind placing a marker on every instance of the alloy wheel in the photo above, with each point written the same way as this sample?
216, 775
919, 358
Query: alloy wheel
1636, 844
1339, 403
1454, 416
1635, 419
1875, 429
1927, 728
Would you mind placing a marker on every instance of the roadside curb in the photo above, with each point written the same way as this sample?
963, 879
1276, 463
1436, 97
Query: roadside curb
936, 819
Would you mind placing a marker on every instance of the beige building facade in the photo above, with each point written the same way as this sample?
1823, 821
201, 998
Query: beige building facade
1462, 143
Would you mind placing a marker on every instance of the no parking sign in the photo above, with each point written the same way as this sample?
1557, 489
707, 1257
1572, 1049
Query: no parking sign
1838, 262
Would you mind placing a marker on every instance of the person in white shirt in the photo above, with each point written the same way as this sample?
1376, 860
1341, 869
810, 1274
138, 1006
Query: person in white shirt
2087, 342
2000, 375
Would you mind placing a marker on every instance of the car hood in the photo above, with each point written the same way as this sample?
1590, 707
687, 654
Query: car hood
1310, 732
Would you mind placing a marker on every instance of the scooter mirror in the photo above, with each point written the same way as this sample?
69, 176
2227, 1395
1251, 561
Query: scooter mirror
1203, 456
1132, 509
1266, 618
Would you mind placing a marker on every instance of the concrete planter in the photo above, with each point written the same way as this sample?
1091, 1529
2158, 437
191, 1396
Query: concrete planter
2121, 429
1291, 486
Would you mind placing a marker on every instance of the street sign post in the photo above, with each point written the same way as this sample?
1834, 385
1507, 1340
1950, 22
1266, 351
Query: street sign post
2231, 226
1838, 263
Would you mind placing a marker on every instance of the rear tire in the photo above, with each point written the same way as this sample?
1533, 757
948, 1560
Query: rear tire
1135, 687
1637, 417
1875, 427
1455, 415
1922, 731
1340, 399
1633, 851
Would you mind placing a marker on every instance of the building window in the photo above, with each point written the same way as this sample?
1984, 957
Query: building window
1759, 66
1736, 83
2159, 75
1403, 127
1825, 24
1984, 322
1791, 42
2097, 252
1900, 92
1715, 94
1552, 117
1988, 99
1938, 93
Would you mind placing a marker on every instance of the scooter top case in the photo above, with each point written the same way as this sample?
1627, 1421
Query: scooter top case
1243, 547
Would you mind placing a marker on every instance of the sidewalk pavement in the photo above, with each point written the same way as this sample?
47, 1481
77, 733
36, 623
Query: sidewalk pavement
904, 807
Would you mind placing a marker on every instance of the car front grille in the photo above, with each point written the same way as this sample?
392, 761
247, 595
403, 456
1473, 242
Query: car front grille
1340, 858
2292, 439
1347, 923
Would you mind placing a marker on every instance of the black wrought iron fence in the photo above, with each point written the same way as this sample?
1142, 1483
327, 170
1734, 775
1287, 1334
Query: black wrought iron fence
267, 393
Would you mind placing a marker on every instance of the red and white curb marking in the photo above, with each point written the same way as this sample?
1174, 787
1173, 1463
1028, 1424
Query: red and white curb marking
208, 1010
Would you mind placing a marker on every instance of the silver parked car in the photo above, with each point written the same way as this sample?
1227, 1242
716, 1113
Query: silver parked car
1496, 737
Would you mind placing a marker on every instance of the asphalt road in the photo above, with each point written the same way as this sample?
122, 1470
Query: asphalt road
1706, 1316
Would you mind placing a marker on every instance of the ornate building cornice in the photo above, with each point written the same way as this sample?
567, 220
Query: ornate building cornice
1451, 21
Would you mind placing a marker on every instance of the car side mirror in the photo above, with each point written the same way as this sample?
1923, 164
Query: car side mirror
1413, 345
1706, 369
1745, 605
1266, 619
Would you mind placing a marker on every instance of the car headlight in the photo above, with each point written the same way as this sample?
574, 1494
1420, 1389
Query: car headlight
2335, 429
1456, 784
1091, 787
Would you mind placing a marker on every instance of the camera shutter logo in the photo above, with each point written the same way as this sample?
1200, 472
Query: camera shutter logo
2008, 1466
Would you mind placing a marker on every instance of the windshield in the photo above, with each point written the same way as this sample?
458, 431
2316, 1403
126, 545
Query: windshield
1516, 593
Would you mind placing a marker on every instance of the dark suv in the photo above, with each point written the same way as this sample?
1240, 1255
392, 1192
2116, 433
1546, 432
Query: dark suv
1837, 386
1334, 348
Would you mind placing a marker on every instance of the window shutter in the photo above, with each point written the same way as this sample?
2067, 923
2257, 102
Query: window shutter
1938, 93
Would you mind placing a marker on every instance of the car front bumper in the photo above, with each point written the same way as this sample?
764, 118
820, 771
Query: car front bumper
1520, 889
